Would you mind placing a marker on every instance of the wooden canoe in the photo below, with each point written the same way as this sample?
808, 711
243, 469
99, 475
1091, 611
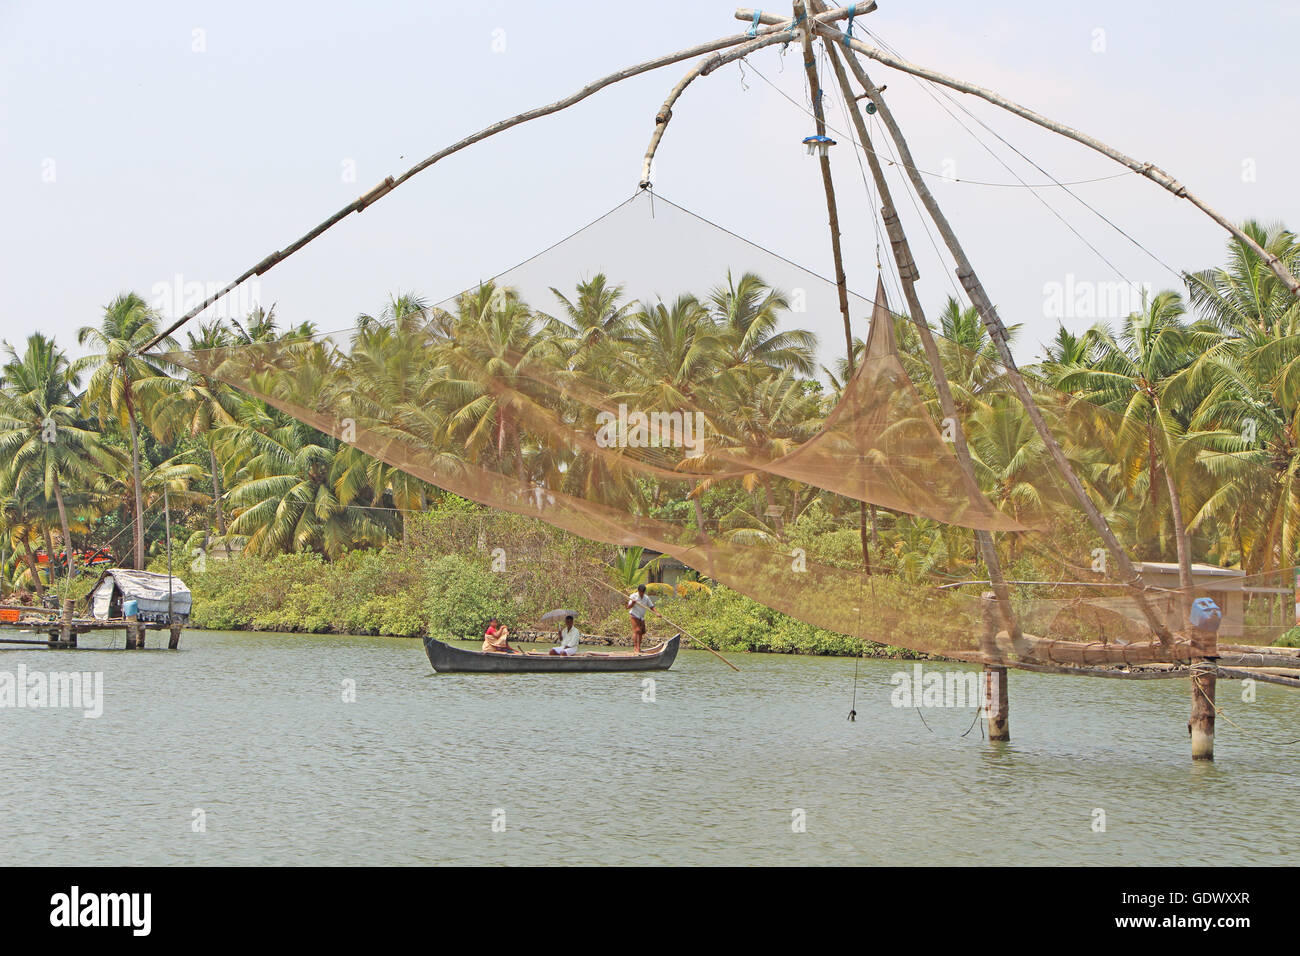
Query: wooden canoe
456, 660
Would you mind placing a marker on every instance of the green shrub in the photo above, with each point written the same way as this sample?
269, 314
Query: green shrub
463, 596
1290, 639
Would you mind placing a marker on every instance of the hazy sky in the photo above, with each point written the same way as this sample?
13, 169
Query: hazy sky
142, 142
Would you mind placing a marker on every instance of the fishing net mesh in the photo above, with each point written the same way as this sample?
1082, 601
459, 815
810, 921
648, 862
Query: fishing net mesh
567, 407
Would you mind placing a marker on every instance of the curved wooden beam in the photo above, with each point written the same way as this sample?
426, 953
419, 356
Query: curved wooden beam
391, 183
777, 31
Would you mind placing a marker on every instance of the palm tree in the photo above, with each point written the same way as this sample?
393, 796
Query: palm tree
1143, 376
747, 313
630, 569
495, 338
969, 358
41, 433
21, 519
596, 318
197, 406
123, 379
379, 384
285, 498
679, 350
1249, 428
1065, 353
1007, 453
757, 417
1246, 299
177, 476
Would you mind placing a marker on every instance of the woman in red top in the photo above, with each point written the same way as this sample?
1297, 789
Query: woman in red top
496, 639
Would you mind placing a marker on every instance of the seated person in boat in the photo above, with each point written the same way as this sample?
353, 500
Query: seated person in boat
496, 639
569, 636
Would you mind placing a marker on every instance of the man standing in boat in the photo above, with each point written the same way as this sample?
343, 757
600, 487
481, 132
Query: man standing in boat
569, 636
638, 603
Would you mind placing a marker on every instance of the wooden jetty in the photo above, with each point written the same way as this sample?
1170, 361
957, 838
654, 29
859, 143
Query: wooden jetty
62, 628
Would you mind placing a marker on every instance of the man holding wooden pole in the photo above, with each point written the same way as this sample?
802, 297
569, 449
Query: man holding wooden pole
638, 603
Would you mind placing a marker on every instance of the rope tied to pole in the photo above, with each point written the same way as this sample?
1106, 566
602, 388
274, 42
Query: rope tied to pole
848, 32
753, 28
1209, 668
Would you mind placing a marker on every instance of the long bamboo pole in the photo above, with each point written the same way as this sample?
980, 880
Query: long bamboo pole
998, 334
683, 630
908, 275
833, 223
390, 183
1149, 170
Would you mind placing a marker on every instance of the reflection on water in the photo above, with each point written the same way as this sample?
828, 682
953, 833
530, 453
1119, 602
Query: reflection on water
253, 730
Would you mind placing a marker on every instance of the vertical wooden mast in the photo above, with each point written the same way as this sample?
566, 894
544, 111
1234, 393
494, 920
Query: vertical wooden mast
802, 25
998, 333
908, 276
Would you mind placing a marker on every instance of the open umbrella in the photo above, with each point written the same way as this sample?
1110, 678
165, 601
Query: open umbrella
558, 614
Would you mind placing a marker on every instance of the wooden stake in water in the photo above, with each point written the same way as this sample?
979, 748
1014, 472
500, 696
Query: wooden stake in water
174, 632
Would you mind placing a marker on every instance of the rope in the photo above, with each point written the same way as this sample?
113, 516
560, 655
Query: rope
853, 708
929, 86
1207, 668
917, 708
926, 172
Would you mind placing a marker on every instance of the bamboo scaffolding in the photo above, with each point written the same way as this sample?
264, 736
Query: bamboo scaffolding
1234, 673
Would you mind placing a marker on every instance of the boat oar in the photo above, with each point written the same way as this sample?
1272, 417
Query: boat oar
682, 630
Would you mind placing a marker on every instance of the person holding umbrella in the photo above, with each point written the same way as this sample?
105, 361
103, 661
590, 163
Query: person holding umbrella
569, 636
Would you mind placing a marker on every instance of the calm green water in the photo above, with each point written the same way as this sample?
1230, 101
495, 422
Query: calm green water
253, 730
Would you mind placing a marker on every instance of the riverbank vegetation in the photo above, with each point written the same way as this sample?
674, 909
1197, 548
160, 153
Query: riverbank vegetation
280, 526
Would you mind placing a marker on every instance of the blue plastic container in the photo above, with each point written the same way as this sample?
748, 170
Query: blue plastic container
1206, 614
130, 607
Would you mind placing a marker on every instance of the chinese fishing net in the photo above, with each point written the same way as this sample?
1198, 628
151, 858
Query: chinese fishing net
685, 362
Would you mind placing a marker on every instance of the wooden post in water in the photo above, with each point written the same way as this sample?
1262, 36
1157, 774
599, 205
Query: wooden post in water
993, 679
67, 636
174, 640
1205, 655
